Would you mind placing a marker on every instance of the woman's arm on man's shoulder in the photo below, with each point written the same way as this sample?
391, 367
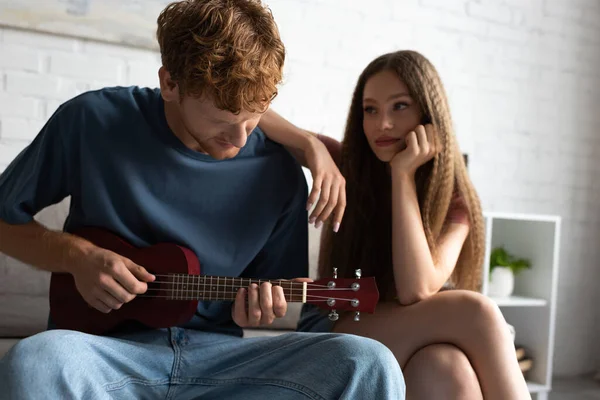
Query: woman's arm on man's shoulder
328, 193
333, 146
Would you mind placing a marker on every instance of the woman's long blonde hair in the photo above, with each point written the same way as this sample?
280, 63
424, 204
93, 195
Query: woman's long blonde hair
364, 240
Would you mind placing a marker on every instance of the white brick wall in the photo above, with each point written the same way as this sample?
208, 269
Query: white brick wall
522, 75
38, 72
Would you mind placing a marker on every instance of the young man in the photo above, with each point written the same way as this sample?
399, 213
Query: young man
184, 164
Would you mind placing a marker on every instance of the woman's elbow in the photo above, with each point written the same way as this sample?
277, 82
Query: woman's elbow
411, 296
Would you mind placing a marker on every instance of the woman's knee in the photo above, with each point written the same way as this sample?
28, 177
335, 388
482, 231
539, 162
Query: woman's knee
442, 369
479, 308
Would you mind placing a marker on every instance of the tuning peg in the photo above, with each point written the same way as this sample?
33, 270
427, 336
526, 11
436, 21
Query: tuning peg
335, 273
333, 315
358, 273
357, 316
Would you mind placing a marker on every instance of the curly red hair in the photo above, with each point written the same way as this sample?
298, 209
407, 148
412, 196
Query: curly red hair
228, 49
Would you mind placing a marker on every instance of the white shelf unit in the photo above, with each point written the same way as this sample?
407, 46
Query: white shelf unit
518, 301
532, 308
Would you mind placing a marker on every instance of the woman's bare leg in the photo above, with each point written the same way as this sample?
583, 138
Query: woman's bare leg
465, 319
441, 371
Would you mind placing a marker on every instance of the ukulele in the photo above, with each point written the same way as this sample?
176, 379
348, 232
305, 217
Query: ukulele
173, 297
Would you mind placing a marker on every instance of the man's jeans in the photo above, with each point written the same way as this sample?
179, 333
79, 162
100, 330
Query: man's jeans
185, 364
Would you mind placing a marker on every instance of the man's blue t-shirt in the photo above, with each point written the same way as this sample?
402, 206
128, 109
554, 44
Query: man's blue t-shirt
112, 151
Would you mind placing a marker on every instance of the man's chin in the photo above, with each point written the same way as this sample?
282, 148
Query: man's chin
223, 155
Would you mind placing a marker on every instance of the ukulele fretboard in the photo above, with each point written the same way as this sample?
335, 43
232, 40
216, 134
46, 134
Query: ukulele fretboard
198, 287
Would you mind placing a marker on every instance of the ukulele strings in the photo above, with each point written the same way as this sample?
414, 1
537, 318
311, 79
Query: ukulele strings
196, 286
277, 282
189, 296
254, 280
218, 293
193, 287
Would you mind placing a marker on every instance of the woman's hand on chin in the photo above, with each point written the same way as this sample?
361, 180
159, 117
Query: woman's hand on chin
421, 146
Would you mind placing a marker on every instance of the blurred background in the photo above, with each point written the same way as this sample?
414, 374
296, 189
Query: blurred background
523, 80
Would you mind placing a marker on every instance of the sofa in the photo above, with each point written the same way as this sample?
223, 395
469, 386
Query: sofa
24, 305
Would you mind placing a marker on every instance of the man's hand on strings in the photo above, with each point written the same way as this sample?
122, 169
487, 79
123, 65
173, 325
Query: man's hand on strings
265, 303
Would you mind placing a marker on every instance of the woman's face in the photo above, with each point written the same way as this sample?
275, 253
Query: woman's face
389, 114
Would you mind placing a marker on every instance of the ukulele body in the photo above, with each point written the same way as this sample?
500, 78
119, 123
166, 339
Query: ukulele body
69, 310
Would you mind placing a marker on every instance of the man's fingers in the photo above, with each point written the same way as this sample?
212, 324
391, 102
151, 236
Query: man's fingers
279, 302
132, 278
106, 298
117, 291
254, 312
266, 303
100, 306
239, 308
141, 273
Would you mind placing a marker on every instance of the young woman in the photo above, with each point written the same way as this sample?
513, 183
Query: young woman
413, 220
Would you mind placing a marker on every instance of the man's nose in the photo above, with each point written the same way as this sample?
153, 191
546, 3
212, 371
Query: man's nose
238, 136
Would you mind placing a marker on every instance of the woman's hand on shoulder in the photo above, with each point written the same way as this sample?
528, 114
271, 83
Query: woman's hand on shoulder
328, 194
421, 146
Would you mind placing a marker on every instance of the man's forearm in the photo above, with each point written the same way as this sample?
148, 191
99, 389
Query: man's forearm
42, 248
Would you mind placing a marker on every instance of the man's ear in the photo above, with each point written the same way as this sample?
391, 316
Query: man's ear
168, 87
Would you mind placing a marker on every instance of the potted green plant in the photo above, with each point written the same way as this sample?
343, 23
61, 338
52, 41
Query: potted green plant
503, 268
